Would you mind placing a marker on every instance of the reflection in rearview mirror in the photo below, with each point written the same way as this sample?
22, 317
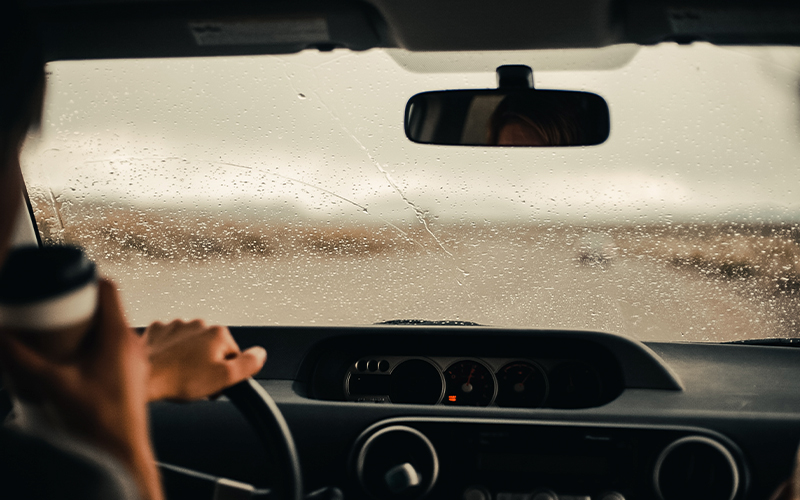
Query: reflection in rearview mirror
507, 117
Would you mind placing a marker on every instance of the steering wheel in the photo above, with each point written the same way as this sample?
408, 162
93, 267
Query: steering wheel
264, 417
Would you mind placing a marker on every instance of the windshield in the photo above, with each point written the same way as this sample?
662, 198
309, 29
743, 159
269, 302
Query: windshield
282, 190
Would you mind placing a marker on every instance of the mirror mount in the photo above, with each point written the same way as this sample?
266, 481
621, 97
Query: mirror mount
514, 76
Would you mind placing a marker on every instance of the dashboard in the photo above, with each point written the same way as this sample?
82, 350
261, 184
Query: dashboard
538, 415
483, 459
505, 382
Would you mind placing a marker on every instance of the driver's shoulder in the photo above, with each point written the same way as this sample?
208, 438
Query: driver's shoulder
31, 467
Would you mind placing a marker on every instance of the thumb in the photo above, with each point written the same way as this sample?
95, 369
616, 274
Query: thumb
258, 355
111, 329
246, 364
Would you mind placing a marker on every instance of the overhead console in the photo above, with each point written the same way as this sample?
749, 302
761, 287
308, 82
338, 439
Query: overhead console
482, 367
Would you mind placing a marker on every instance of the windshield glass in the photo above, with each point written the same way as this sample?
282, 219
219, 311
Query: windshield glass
282, 190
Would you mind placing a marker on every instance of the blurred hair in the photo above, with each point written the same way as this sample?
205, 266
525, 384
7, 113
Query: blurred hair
546, 116
21, 74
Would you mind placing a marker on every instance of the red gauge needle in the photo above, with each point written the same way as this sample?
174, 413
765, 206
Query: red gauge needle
467, 387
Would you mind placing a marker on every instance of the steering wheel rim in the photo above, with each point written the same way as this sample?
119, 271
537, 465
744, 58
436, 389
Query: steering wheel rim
266, 419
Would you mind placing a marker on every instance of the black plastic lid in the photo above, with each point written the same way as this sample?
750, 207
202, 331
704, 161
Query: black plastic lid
32, 274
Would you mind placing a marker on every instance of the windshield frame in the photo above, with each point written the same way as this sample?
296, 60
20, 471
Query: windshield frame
417, 212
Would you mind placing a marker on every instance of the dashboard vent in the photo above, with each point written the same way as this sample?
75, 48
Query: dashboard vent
696, 468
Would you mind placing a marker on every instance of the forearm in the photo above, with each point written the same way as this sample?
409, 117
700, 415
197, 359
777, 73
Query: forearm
158, 386
126, 436
141, 463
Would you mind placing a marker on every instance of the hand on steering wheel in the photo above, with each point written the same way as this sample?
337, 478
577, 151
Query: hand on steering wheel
190, 361
266, 420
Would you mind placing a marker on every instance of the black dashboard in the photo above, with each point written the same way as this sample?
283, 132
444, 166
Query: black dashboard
537, 415
540, 372
454, 381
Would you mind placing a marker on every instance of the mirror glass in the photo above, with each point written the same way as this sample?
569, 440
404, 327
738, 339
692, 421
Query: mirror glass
501, 117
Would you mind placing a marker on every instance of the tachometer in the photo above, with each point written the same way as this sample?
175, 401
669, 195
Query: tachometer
521, 384
469, 383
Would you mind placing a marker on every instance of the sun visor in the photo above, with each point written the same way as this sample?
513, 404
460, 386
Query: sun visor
735, 22
142, 31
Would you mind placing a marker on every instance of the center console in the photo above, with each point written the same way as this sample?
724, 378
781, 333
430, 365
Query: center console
470, 459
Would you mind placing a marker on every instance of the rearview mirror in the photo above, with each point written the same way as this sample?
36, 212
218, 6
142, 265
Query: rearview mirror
515, 114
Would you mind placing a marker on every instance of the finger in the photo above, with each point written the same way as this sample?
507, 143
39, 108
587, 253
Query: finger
175, 325
15, 355
154, 328
246, 364
111, 334
228, 348
259, 355
196, 323
164, 334
111, 313
29, 372
155, 331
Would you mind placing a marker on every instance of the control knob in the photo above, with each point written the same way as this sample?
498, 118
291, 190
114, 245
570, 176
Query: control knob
397, 463
402, 477
476, 493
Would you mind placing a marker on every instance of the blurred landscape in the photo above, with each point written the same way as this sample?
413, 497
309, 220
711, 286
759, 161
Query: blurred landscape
706, 282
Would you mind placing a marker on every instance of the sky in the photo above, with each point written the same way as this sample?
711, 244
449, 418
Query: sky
698, 133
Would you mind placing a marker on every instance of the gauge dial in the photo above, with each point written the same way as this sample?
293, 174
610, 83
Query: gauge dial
575, 384
469, 383
416, 381
521, 384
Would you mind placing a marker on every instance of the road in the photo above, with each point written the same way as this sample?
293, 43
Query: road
533, 279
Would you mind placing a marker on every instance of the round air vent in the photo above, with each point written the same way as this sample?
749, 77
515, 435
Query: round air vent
696, 468
397, 462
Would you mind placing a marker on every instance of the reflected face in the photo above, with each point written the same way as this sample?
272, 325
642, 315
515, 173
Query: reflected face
517, 132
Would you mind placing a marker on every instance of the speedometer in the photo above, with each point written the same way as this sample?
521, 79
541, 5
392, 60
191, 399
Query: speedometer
469, 383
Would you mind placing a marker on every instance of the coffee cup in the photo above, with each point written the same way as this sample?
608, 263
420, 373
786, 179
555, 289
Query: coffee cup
48, 298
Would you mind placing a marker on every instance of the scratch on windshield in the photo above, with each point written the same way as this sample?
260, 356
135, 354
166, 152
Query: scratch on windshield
362, 208
57, 210
420, 213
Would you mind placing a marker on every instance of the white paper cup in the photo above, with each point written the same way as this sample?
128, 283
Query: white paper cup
48, 298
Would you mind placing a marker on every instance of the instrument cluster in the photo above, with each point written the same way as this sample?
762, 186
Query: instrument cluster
505, 382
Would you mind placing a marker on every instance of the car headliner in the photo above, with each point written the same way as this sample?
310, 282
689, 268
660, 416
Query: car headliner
87, 29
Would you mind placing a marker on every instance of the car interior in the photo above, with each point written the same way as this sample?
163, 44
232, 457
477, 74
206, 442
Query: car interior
443, 408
